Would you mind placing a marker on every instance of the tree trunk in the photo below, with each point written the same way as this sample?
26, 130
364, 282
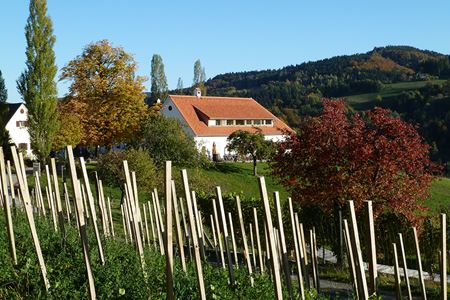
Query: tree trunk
254, 166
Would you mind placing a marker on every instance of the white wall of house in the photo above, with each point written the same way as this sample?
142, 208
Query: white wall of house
221, 143
208, 141
19, 132
169, 110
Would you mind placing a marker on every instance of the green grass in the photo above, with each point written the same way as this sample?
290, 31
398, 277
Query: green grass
238, 178
440, 195
366, 101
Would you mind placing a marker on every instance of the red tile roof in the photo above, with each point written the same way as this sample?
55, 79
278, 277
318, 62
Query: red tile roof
233, 108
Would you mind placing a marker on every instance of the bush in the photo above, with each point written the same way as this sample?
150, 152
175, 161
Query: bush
110, 168
164, 139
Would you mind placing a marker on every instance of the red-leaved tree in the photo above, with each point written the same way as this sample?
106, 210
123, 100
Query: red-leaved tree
340, 156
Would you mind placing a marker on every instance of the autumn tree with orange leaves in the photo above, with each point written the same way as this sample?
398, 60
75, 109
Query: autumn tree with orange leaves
340, 156
105, 94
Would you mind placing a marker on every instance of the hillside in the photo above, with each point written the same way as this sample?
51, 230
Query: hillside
296, 90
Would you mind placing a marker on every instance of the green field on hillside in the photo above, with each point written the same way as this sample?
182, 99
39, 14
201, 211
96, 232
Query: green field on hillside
238, 177
366, 101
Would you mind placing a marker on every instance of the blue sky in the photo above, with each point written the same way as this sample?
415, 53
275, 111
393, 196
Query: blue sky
227, 36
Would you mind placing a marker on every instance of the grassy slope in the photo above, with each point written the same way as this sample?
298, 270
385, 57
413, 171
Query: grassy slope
238, 177
440, 195
364, 101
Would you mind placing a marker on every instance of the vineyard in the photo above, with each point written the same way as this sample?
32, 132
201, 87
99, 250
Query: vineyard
67, 240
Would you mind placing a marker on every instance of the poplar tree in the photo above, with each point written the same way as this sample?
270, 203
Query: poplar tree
199, 77
159, 89
180, 86
4, 134
37, 83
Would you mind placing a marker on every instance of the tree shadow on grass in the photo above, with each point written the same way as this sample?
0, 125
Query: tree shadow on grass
225, 167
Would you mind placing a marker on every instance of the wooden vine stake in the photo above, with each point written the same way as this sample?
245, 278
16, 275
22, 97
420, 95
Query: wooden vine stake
398, 288
268, 218
23, 185
123, 223
111, 219
244, 240
147, 235
419, 265
58, 197
233, 241
138, 239
11, 185
296, 250
405, 267
92, 209
373, 274
258, 241
444, 256
81, 221
225, 235
7, 209
198, 222
158, 226
216, 220
198, 262
312, 252
151, 223
351, 260
362, 283
178, 227
253, 246
168, 237
302, 249
284, 255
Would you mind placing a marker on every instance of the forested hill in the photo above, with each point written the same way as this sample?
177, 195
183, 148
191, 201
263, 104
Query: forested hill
295, 90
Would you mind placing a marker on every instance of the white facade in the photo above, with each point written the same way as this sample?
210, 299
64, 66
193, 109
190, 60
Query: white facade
204, 143
18, 131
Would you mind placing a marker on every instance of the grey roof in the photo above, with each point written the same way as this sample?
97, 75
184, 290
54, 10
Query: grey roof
12, 108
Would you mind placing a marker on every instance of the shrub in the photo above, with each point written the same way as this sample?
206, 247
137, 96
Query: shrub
110, 168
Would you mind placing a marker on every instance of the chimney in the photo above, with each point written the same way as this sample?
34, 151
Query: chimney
197, 92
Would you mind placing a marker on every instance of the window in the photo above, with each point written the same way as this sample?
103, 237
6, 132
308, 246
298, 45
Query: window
170, 107
268, 122
240, 122
217, 122
256, 122
248, 122
21, 124
230, 122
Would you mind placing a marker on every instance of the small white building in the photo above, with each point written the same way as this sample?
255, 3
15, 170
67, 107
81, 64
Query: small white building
17, 126
210, 120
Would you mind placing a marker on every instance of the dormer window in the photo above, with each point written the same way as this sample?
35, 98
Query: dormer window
257, 122
240, 122
230, 122
268, 122
217, 122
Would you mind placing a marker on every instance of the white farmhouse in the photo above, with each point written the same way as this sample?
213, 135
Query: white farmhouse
17, 126
210, 120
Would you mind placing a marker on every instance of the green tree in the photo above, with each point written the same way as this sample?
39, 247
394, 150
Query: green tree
37, 83
70, 132
165, 139
197, 72
158, 79
105, 94
247, 143
5, 139
3, 90
180, 86
199, 77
